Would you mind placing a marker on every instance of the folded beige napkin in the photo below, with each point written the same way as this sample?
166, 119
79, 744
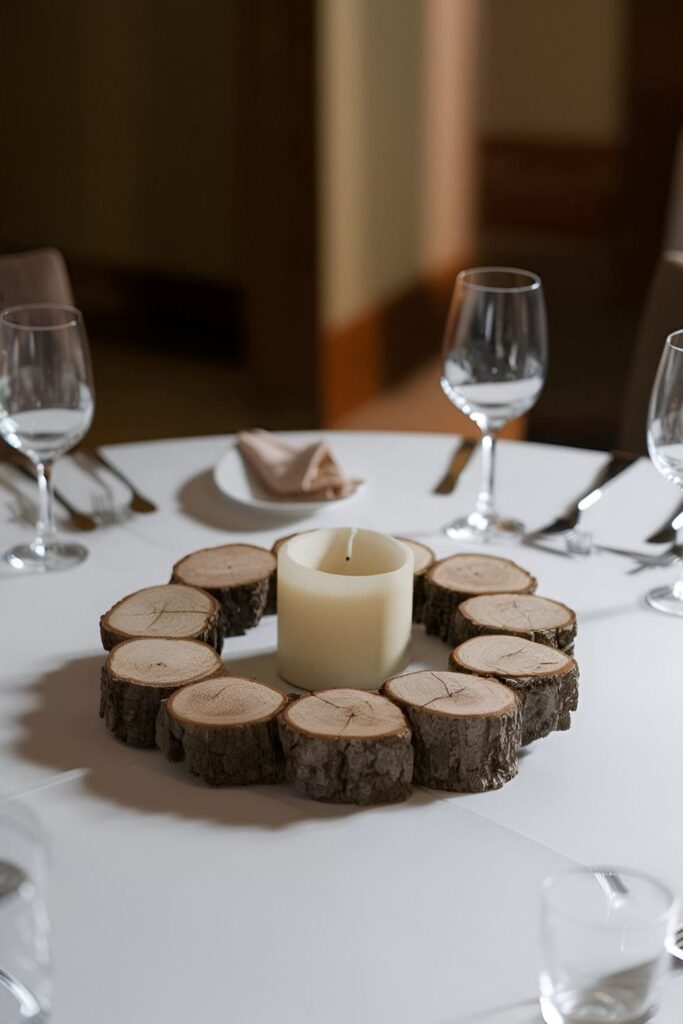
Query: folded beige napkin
310, 473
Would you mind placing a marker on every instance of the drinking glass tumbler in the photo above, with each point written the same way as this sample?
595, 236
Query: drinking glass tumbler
605, 933
25, 966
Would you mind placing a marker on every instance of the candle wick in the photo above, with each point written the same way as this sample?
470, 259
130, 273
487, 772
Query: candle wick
349, 545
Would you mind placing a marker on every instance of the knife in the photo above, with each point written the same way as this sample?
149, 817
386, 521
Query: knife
462, 456
669, 530
618, 462
81, 520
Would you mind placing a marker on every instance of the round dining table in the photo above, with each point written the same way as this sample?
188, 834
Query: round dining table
173, 903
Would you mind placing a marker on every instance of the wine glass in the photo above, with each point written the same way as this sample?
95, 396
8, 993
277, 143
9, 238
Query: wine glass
494, 365
665, 445
46, 407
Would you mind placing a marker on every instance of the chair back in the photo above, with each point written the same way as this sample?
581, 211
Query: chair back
662, 314
38, 275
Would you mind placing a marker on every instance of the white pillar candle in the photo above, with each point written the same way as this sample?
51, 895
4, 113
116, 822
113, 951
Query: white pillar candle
344, 608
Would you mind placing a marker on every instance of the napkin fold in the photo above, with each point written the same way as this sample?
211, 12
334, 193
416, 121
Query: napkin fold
310, 473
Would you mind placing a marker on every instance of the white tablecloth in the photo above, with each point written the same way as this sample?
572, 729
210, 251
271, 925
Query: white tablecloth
172, 902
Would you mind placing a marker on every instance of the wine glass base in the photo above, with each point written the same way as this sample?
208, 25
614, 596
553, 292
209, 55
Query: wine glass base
666, 599
50, 557
482, 529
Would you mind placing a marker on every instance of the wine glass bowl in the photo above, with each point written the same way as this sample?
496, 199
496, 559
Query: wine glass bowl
46, 407
665, 445
494, 360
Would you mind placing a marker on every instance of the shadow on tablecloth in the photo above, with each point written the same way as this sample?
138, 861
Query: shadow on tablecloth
62, 730
200, 499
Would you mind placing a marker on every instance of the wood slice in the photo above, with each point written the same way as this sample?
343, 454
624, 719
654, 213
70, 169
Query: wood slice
423, 559
238, 576
139, 674
171, 610
454, 579
526, 615
545, 679
347, 746
466, 729
225, 730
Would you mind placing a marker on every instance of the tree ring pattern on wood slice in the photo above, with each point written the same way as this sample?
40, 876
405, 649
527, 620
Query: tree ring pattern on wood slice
171, 610
139, 674
545, 679
454, 579
238, 576
225, 731
423, 559
527, 615
466, 729
347, 746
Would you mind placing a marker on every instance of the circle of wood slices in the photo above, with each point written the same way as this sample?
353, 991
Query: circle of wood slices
347, 746
172, 610
423, 560
139, 674
238, 576
467, 729
545, 679
225, 731
454, 579
527, 615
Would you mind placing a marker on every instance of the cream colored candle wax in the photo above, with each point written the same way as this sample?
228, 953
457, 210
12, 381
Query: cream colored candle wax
344, 608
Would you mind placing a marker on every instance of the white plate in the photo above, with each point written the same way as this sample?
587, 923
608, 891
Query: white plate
232, 476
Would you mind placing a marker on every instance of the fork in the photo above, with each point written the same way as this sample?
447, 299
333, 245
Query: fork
138, 502
580, 542
673, 554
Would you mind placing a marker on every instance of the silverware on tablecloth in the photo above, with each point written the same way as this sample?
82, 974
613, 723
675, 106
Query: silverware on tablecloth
80, 520
673, 554
462, 456
668, 531
618, 462
580, 542
676, 946
138, 503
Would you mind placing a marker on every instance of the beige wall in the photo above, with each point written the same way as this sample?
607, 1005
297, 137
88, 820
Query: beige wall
395, 124
111, 149
552, 69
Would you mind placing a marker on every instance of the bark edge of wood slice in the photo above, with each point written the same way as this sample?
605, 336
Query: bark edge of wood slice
467, 729
225, 731
237, 575
545, 679
531, 616
139, 674
423, 559
347, 746
173, 611
458, 577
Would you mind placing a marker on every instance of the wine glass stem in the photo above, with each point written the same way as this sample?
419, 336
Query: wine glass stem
45, 526
485, 499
